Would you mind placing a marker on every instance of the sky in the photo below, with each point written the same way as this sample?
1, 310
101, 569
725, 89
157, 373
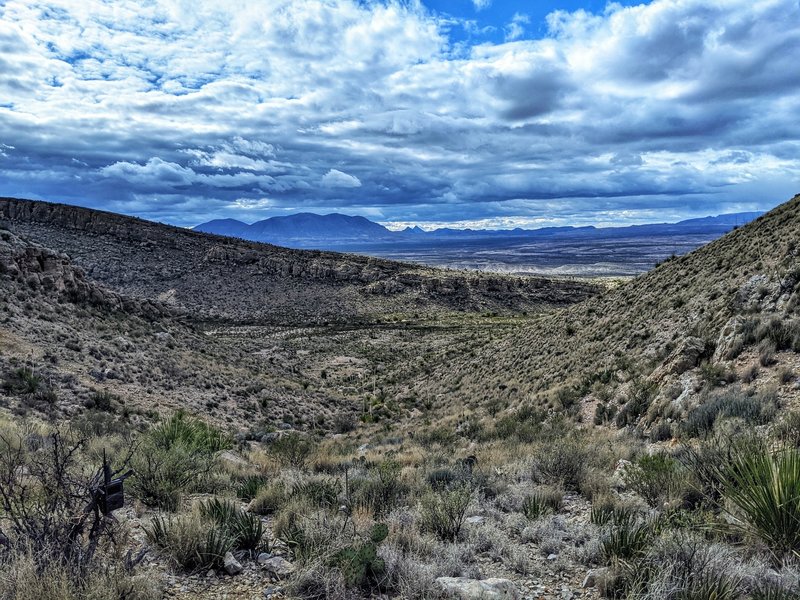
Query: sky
481, 113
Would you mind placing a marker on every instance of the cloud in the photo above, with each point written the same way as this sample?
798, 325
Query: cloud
635, 111
516, 28
481, 4
338, 179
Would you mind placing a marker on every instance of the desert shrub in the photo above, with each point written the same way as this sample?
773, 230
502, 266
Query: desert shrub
23, 579
103, 401
654, 477
270, 499
440, 479
173, 456
763, 487
541, 502
788, 430
561, 462
751, 373
246, 531
344, 422
22, 381
292, 450
443, 513
383, 490
661, 432
191, 433
713, 374
683, 566
604, 413
627, 539
49, 525
638, 399
785, 375
755, 410
319, 492
249, 487
781, 335
190, 540
766, 353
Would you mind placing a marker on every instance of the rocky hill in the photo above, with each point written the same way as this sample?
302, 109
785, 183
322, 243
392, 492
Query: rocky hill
213, 277
693, 317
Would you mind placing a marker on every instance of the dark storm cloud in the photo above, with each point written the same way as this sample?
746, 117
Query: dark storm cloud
185, 113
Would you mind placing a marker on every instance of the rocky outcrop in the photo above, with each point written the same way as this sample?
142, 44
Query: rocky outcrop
40, 270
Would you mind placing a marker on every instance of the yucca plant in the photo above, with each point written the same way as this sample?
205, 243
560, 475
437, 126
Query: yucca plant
542, 503
763, 487
249, 488
246, 531
189, 541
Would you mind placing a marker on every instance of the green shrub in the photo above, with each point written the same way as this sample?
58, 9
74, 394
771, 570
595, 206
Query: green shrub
443, 512
764, 488
269, 500
163, 475
626, 540
360, 563
611, 514
190, 541
246, 531
173, 456
383, 491
561, 462
654, 477
788, 430
190, 433
22, 381
542, 502
319, 492
250, 487
755, 410
292, 450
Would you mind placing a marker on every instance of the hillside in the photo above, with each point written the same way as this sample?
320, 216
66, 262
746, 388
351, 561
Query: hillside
704, 306
218, 278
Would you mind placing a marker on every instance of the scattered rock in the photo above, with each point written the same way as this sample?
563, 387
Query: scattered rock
263, 558
474, 589
476, 520
552, 556
278, 566
232, 566
271, 592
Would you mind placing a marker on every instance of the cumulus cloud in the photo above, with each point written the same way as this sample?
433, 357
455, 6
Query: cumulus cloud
633, 111
338, 179
516, 28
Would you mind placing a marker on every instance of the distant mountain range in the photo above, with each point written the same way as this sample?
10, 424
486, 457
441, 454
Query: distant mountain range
337, 231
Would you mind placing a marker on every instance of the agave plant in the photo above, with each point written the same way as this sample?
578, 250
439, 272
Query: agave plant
763, 487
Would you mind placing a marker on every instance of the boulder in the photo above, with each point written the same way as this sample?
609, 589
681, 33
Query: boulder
232, 566
280, 567
475, 589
